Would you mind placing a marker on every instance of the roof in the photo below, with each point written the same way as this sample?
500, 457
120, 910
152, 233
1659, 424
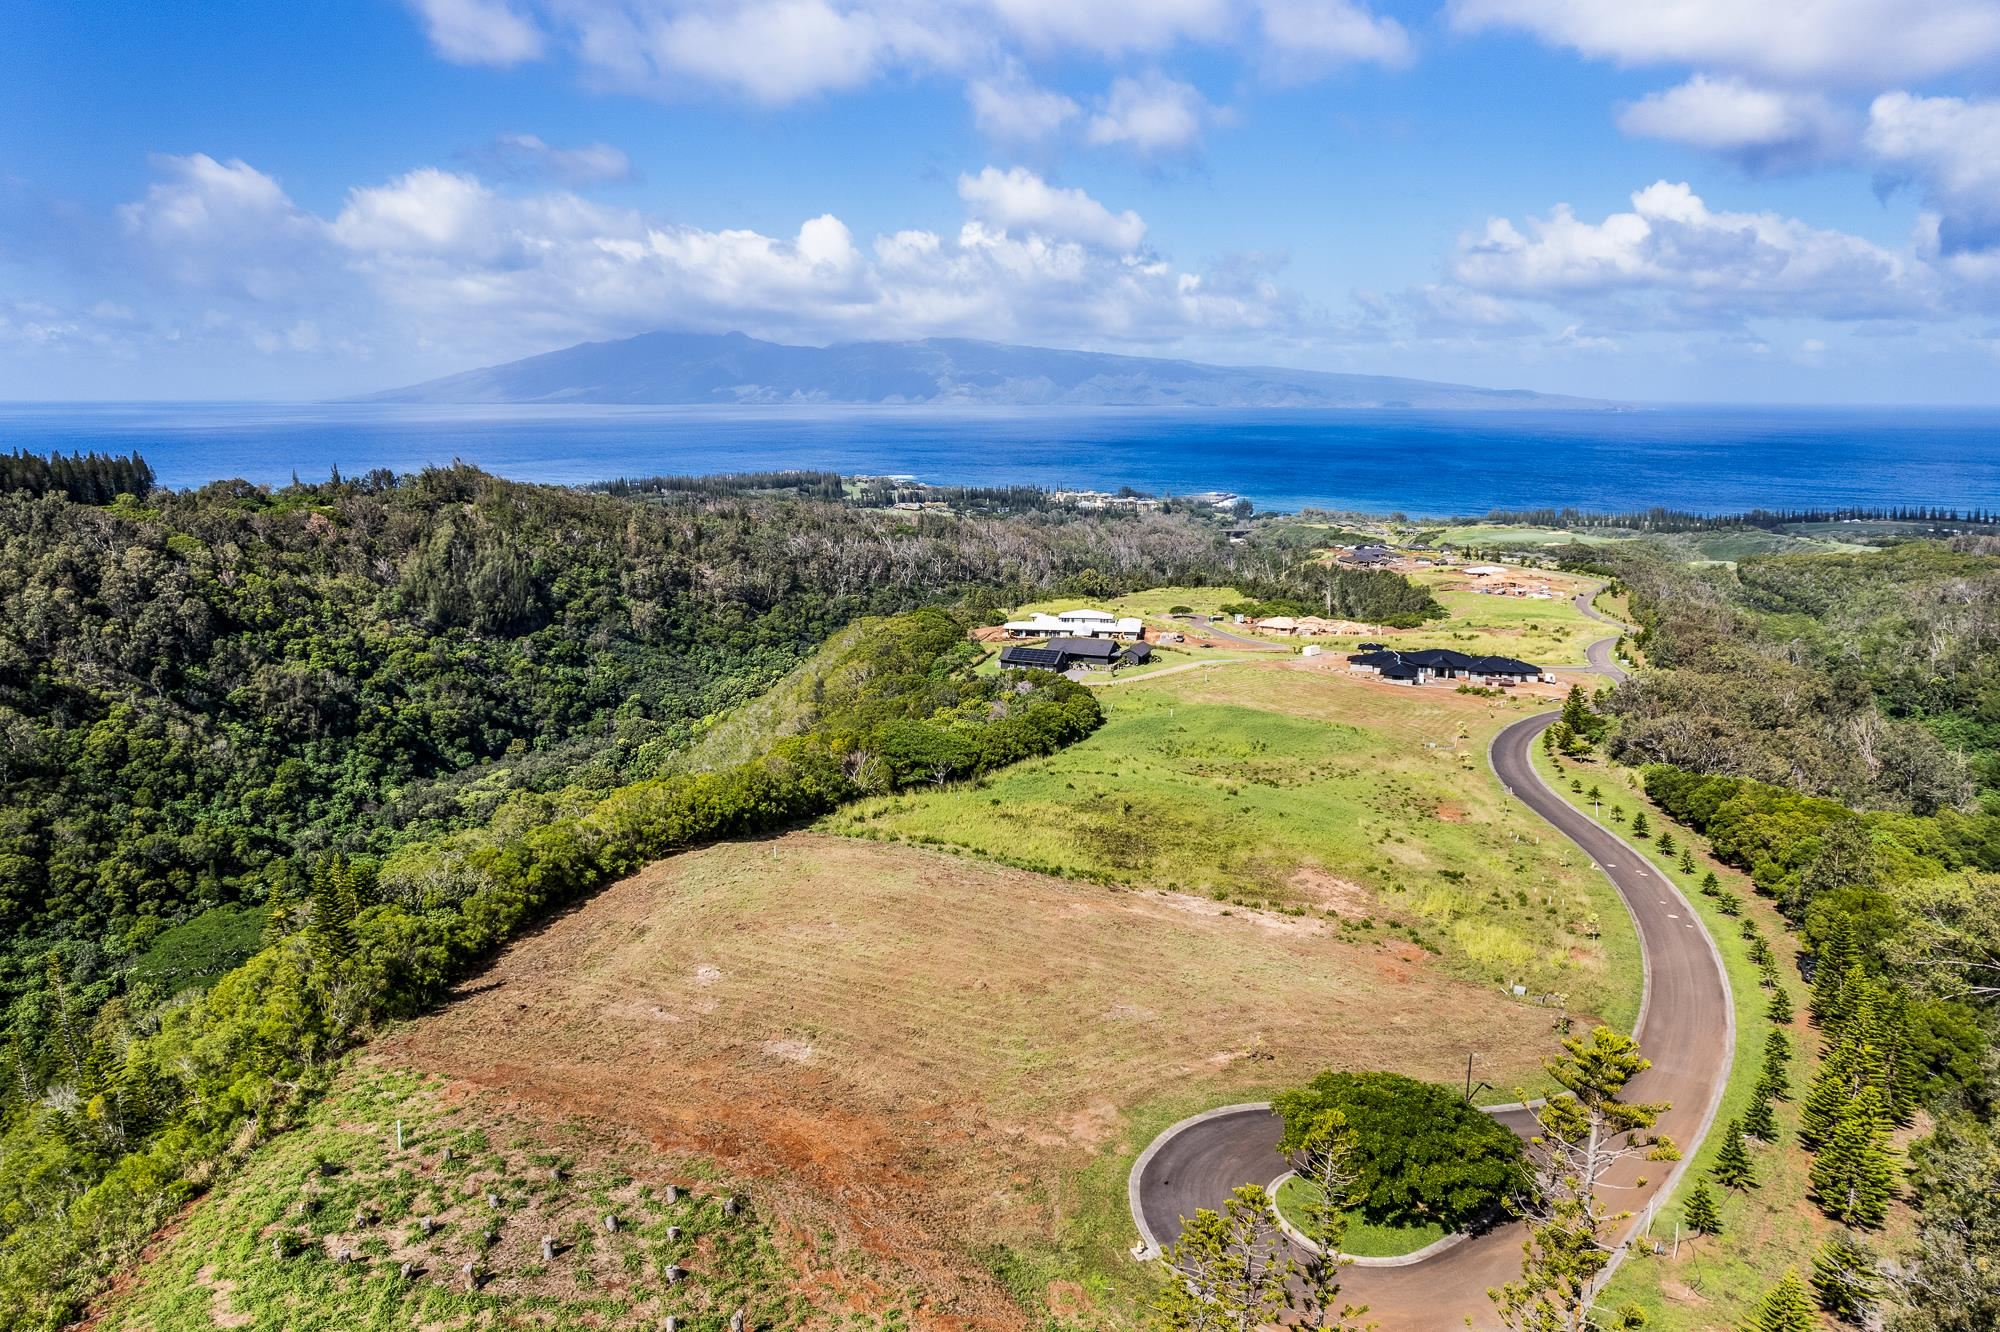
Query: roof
1103, 649
1278, 622
1504, 666
1031, 656
1442, 659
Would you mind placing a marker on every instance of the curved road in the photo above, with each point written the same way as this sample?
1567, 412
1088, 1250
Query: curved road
1601, 653
1686, 1027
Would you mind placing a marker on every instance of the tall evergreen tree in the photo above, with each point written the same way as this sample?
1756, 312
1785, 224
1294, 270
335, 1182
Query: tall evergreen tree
1732, 1168
1779, 1010
1844, 1282
1831, 959
1854, 1174
1761, 1122
1777, 1049
1700, 1213
1840, 1077
1785, 1308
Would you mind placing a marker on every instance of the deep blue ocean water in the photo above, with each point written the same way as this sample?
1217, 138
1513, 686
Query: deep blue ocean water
1707, 459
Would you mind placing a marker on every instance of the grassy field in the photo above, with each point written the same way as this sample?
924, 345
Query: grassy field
1725, 546
1364, 1239
1549, 633
1298, 789
1715, 1281
265, 1250
945, 1065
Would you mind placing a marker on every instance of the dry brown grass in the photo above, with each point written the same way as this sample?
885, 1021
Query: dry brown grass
919, 1053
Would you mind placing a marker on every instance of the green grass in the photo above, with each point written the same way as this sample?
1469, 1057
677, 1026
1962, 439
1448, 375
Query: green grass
1716, 1281
218, 1268
1364, 1238
1289, 789
1549, 633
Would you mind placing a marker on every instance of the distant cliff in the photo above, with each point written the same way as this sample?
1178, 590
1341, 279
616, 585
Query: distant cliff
733, 368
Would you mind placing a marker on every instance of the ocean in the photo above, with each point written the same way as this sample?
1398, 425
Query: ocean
1704, 459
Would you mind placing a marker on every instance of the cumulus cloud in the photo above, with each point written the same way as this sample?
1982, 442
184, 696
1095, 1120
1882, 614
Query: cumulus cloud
1695, 263
1949, 148
1010, 107
479, 32
443, 260
1306, 35
1765, 129
1022, 200
1152, 114
1860, 42
780, 51
528, 156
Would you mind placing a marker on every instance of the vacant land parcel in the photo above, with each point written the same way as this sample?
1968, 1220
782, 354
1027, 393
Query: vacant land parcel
1281, 785
942, 1065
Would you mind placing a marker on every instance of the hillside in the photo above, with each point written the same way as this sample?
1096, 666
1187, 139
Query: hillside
733, 368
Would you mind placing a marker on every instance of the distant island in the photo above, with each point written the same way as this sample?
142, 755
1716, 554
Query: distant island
733, 368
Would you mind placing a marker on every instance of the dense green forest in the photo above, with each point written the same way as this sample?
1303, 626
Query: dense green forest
276, 765
1827, 722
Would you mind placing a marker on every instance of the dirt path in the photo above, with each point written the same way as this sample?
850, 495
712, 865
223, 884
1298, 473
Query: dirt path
1686, 1026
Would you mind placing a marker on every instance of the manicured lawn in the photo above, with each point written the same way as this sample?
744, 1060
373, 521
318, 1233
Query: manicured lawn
1309, 792
1364, 1239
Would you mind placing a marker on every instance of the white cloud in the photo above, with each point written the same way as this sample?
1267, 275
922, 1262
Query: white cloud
1115, 26
777, 51
1950, 148
1803, 41
1697, 264
1153, 114
1307, 34
443, 261
1763, 128
1010, 107
1021, 199
527, 155
480, 32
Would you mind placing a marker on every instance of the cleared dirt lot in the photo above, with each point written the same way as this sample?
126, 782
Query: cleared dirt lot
935, 1062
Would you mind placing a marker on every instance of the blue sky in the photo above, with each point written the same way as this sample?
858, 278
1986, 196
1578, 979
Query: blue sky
1761, 200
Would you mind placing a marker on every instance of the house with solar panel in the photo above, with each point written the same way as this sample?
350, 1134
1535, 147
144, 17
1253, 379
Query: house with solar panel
1068, 654
1425, 664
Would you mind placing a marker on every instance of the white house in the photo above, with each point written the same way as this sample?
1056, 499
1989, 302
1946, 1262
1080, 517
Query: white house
1080, 623
1485, 570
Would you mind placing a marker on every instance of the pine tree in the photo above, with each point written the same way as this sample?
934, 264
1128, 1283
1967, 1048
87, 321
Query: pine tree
1710, 885
1666, 843
1762, 1122
1831, 959
1785, 1308
1779, 1010
1732, 1168
1687, 861
1700, 1213
1843, 1278
1641, 825
1855, 997
1775, 1082
1838, 1079
1854, 1175
1777, 1049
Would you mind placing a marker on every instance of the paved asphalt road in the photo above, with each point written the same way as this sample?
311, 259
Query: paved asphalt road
1600, 654
1686, 1027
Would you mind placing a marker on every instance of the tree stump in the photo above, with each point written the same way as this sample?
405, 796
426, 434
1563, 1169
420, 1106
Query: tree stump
548, 1248
470, 1271
673, 1232
610, 1224
731, 1205
492, 1200
406, 1271
277, 1246
446, 1160
675, 1274
360, 1217
673, 1194
427, 1225
736, 1321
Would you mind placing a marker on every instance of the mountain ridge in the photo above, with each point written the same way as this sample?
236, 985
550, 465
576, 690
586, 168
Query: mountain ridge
668, 368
